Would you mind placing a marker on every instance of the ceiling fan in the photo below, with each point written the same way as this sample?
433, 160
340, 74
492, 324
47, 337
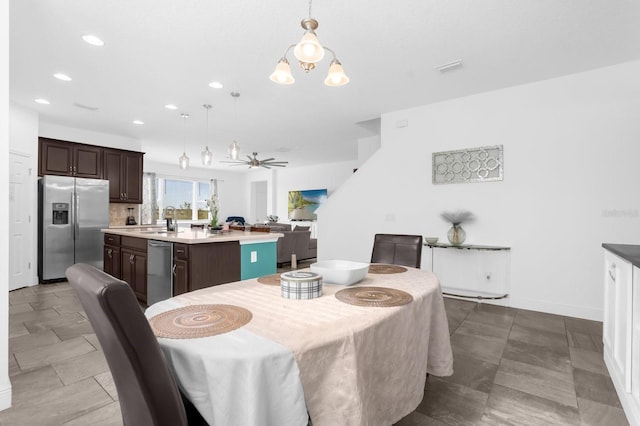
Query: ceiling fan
254, 163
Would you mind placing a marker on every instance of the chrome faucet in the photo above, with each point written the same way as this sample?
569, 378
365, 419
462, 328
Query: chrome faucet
172, 223
167, 210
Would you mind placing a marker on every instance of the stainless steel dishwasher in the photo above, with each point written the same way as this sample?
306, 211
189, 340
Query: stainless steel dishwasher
159, 271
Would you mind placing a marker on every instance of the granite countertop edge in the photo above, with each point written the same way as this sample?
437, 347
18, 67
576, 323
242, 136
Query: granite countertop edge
628, 252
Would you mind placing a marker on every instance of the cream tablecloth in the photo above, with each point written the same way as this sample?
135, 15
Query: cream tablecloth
355, 365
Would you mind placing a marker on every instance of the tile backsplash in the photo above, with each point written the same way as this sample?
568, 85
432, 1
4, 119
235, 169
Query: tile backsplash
118, 213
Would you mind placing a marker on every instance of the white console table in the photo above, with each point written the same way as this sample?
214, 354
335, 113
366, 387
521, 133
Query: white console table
472, 271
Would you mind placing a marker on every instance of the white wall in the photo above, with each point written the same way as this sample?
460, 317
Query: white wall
90, 137
330, 176
570, 183
232, 186
367, 147
5, 384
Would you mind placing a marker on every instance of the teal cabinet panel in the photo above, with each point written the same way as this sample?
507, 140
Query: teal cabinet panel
257, 260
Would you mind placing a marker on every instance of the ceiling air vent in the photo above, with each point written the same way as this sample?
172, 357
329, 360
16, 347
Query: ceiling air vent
450, 66
90, 108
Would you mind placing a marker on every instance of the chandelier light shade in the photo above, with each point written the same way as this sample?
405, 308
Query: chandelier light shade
336, 75
282, 74
234, 150
309, 48
207, 156
183, 161
308, 51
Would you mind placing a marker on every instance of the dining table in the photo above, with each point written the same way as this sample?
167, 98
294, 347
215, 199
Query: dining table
321, 359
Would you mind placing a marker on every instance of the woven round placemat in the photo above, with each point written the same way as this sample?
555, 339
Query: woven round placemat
374, 296
273, 279
379, 268
191, 322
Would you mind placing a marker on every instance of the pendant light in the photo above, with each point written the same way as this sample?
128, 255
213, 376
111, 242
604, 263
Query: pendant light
234, 148
183, 161
207, 156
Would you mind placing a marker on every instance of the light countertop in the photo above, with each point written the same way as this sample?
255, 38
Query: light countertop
192, 236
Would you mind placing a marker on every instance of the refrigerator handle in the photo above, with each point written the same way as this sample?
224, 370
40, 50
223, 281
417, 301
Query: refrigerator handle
72, 219
76, 222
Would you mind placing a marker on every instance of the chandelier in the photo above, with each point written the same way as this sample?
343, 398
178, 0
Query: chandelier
309, 52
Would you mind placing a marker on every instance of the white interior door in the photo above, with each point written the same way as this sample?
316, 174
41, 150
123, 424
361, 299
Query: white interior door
21, 223
258, 201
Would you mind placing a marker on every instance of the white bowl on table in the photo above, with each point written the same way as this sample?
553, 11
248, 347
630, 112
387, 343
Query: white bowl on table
342, 272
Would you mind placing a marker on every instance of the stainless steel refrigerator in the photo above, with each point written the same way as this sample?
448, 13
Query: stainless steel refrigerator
71, 213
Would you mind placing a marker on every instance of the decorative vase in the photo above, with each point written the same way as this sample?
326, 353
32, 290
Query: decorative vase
456, 235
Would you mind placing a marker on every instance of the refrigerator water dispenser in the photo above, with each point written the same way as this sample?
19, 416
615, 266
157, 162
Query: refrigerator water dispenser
60, 213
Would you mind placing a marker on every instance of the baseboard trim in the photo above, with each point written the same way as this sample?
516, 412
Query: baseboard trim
5, 397
557, 308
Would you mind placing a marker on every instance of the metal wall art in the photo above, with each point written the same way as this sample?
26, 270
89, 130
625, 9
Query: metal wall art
468, 165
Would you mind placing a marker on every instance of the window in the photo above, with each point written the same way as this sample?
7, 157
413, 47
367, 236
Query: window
186, 197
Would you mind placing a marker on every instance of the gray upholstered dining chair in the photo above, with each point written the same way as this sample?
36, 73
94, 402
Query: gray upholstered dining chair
147, 391
396, 249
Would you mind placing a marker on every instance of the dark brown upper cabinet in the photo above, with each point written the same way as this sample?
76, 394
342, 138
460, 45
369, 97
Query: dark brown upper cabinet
69, 159
123, 169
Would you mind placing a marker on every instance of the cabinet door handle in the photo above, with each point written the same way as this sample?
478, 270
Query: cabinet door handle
110, 253
173, 270
131, 258
612, 272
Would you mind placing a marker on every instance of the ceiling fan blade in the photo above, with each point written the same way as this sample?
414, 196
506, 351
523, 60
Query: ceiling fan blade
266, 167
267, 159
249, 157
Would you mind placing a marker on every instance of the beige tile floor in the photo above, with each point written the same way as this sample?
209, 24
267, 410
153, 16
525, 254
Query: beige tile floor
512, 367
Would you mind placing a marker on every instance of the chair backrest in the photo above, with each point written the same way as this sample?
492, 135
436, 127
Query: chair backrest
237, 219
146, 389
395, 249
197, 226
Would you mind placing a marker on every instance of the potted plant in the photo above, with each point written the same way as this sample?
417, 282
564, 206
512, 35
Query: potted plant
214, 207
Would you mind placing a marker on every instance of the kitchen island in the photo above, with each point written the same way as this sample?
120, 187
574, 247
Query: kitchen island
199, 258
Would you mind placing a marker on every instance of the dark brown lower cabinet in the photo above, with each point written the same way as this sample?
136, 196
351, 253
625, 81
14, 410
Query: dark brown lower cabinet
195, 266
134, 271
180, 276
198, 266
212, 264
126, 258
112, 261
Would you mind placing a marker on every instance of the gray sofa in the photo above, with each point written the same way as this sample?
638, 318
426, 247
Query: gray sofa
296, 241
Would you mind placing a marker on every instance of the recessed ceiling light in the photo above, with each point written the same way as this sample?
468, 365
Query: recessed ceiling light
138, 122
171, 106
42, 101
93, 40
216, 85
62, 77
